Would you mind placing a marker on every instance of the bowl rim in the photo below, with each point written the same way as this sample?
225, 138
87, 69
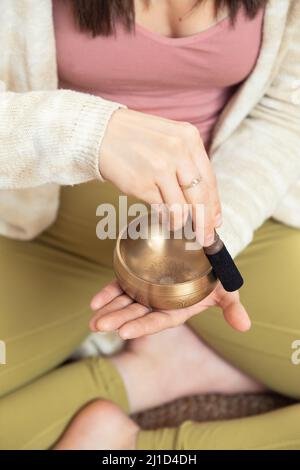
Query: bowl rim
130, 272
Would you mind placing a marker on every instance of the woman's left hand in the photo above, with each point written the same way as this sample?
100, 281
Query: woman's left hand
116, 311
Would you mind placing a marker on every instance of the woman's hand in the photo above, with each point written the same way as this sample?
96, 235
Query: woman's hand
149, 157
114, 310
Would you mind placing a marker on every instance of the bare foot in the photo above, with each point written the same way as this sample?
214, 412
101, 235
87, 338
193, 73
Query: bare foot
156, 369
175, 363
100, 425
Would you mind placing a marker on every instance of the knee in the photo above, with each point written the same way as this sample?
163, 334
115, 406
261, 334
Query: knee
271, 268
286, 254
273, 256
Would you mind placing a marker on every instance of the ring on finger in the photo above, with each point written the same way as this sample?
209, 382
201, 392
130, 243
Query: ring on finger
192, 184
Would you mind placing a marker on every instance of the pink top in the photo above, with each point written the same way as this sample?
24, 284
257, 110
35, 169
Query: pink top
187, 79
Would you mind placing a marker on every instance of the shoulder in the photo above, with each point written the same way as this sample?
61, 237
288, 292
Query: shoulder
293, 18
24, 10
291, 39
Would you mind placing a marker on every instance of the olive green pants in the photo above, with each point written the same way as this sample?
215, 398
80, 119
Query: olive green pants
46, 286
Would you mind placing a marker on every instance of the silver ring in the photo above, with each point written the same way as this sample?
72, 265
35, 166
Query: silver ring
193, 183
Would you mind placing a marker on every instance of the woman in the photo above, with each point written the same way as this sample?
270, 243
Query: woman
143, 108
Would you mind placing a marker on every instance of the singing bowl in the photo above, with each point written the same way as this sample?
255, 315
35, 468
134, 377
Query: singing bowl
158, 271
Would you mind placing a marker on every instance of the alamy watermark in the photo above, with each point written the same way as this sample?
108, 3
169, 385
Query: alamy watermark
295, 357
2, 352
179, 221
296, 92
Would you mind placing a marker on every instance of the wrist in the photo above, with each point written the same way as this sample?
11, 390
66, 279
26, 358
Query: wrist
107, 112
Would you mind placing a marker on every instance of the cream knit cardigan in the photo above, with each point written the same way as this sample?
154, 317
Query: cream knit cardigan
53, 137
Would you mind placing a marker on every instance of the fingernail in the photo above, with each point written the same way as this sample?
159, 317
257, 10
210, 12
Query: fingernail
219, 220
248, 323
94, 305
103, 325
200, 236
93, 327
124, 335
209, 239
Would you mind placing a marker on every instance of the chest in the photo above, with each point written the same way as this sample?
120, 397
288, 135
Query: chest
177, 18
147, 62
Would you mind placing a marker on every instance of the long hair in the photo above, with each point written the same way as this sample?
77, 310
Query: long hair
99, 17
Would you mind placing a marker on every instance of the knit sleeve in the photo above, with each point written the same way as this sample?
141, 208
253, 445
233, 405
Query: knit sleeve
260, 162
51, 137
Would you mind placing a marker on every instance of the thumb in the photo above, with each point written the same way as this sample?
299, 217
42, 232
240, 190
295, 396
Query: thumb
234, 312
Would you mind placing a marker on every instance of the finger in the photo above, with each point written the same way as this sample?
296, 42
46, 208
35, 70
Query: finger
120, 302
106, 295
114, 320
147, 325
153, 197
173, 197
198, 197
201, 160
234, 312
205, 168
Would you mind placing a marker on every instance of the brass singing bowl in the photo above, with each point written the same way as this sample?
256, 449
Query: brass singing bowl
158, 271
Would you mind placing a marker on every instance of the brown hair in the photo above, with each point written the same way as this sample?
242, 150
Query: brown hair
100, 16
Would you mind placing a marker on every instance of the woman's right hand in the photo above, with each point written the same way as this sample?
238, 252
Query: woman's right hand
150, 157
